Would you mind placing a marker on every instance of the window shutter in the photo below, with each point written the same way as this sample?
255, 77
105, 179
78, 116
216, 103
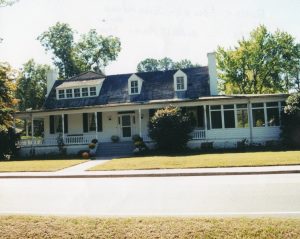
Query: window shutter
99, 121
51, 123
85, 122
66, 124
151, 113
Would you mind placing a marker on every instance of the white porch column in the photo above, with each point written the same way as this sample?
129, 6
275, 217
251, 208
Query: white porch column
32, 129
140, 122
63, 126
96, 123
26, 126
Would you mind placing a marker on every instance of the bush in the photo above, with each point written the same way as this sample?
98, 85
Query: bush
290, 133
136, 138
8, 143
94, 141
207, 146
115, 138
92, 146
170, 129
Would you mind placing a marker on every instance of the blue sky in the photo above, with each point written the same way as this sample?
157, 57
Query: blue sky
157, 28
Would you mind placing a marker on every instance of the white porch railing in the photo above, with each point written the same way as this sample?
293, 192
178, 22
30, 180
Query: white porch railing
198, 134
68, 140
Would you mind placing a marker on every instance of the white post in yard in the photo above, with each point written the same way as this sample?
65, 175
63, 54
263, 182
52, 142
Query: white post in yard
140, 122
63, 126
96, 123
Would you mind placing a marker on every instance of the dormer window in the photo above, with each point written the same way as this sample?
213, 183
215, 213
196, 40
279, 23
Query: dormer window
180, 81
92, 91
134, 84
84, 92
134, 87
61, 94
69, 93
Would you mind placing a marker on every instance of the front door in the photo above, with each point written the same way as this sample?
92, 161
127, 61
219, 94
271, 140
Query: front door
125, 126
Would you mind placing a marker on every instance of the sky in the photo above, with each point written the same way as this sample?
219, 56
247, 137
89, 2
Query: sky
185, 29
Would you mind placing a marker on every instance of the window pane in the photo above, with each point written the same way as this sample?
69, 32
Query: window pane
85, 92
239, 106
273, 116
69, 93
242, 118
76, 93
257, 105
58, 123
134, 87
126, 132
92, 123
229, 119
92, 91
61, 94
272, 104
216, 119
228, 106
215, 107
258, 117
179, 83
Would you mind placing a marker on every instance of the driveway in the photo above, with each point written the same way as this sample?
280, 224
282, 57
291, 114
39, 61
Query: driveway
216, 195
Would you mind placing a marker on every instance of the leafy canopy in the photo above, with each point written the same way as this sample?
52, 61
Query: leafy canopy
170, 128
264, 63
91, 52
32, 85
151, 64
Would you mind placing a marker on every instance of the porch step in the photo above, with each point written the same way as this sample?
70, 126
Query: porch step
115, 149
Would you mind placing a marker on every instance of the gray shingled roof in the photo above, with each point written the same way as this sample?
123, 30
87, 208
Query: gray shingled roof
157, 85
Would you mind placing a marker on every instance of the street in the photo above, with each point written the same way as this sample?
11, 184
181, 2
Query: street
261, 195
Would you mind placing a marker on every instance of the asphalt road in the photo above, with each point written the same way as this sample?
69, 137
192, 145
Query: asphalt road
258, 195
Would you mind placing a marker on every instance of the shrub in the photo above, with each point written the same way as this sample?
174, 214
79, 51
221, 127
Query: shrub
136, 138
115, 138
94, 141
92, 146
85, 155
290, 133
170, 129
207, 146
8, 143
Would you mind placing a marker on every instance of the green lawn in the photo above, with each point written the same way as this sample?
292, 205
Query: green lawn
203, 161
155, 227
38, 165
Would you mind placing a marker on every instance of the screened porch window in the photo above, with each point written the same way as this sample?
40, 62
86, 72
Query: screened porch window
216, 116
273, 113
258, 114
242, 115
229, 119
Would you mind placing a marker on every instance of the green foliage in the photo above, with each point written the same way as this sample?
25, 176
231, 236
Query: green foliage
8, 143
91, 52
170, 129
151, 64
264, 63
291, 121
5, 3
7, 87
32, 85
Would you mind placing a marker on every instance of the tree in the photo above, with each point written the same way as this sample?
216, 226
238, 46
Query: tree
164, 64
291, 121
92, 51
170, 129
32, 85
5, 3
261, 64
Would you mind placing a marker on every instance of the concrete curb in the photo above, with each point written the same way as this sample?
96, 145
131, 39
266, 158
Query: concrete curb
139, 175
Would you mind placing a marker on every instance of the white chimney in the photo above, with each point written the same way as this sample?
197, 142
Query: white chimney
212, 70
51, 78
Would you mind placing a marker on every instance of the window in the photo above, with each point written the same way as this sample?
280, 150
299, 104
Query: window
91, 122
242, 115
77, 93
229, 120
58, 124
180, 83
61, 94
92, 91
272, 113
134, 87
69, 93
258, 114
216, 116
84, 92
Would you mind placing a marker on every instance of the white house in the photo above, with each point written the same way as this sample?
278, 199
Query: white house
93, 105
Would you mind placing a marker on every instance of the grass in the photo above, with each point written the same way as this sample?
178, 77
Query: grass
37, 165
203, 161
156, 227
